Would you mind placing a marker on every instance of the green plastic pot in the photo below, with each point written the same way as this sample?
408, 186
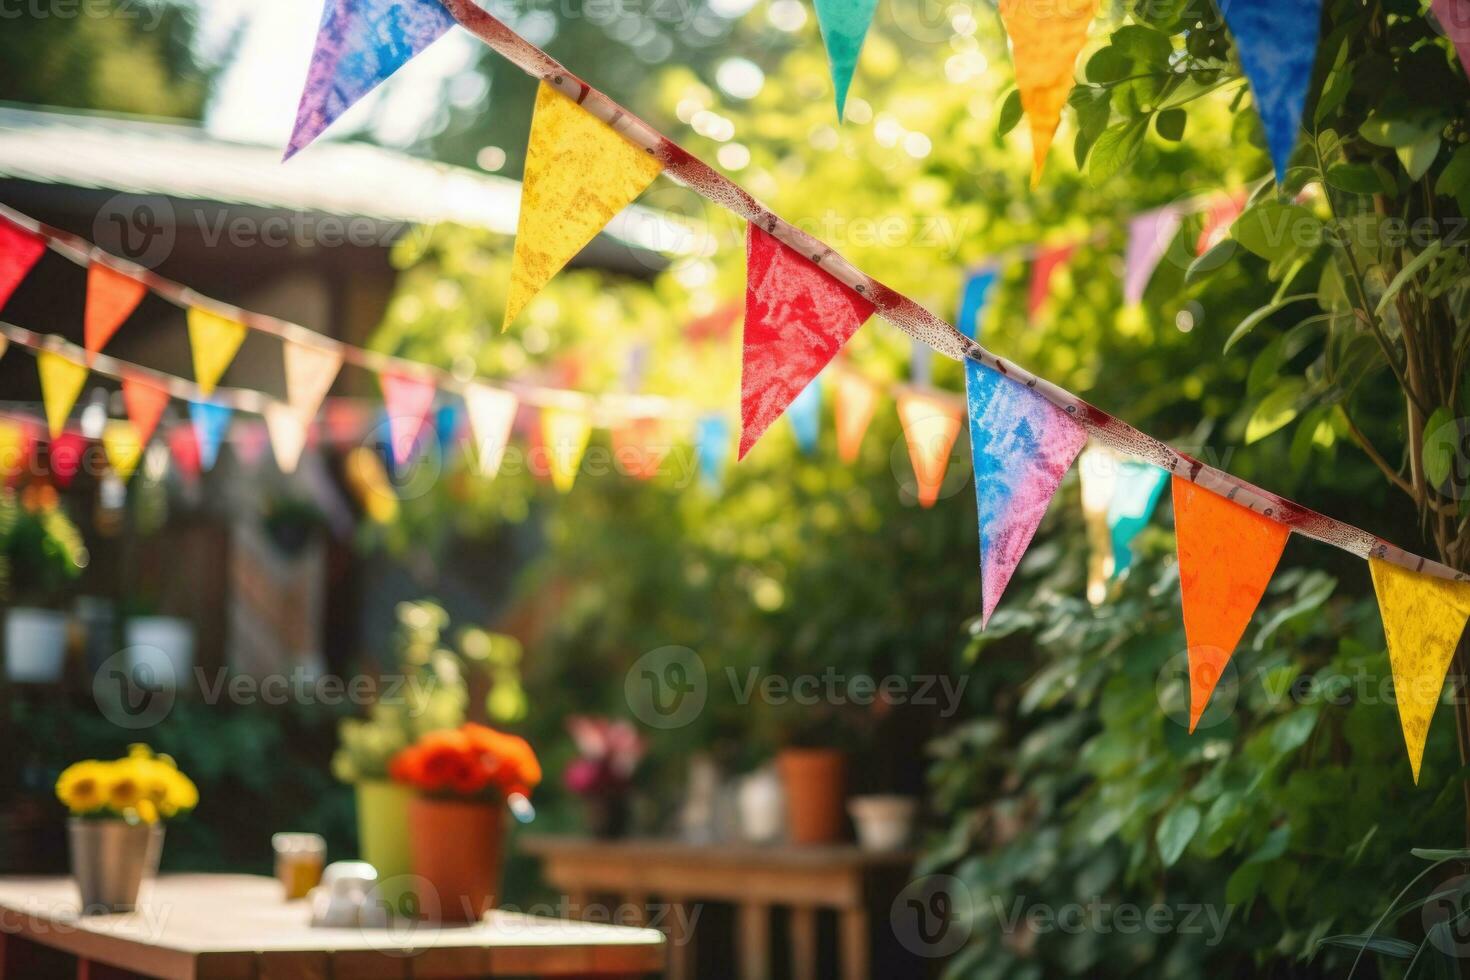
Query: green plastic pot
382, 834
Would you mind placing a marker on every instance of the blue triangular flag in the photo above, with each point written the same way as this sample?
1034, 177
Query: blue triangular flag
1134, 497
1022, 446
211, 421
359, 44
973, 299
712, 442
1277, 42
805, 415
844, 24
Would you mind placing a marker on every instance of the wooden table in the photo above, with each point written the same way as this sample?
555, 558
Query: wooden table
754, 878
237, 927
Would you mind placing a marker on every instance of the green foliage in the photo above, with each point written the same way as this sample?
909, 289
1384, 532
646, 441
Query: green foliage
41, 549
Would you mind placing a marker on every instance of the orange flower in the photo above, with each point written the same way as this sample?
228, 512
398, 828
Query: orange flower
472, 760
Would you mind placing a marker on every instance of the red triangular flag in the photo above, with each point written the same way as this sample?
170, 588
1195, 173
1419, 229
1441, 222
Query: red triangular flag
19, 252
111, 298
183, 445
145, 404
1227, 554
1047, 261
407, 400
797, 317
66, 453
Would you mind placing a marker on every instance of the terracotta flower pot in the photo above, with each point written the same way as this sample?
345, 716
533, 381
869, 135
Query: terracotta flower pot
458, 848
815, 782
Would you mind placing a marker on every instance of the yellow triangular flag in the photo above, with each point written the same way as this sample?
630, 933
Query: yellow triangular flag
1423, 618
214, 340
123, 447
287, 433
1045, 40
579, 173
564, 434
61, 384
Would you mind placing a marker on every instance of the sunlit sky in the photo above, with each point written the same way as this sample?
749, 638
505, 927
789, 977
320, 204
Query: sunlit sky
255, 101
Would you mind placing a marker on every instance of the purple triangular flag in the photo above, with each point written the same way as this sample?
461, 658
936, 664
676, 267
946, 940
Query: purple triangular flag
360, 43
1454, 19
1149, 236
1277, 43
1022, 446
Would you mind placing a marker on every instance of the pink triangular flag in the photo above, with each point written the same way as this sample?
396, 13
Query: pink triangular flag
310, 371
1149, 236
1454, 17
797, 317
407, 400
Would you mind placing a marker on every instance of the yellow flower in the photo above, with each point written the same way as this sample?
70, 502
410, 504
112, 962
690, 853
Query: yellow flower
147, 811
126, 787
83, 787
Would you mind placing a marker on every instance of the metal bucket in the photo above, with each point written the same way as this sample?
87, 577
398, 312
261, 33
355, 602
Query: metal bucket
110, 859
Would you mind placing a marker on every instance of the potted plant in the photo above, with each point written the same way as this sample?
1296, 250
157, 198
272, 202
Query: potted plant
41, 552
813, 772
116, 826
464, 781
608, 753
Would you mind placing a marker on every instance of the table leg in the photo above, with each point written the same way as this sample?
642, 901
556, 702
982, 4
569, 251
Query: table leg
92, 970
637, 902
577, 899
754, 941
804, 943
679, 930
853, 939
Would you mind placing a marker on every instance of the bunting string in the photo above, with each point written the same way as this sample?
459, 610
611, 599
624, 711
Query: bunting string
916, 320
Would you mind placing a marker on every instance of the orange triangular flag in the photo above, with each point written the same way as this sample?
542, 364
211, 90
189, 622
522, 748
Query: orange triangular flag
1045, 39
931, 423
145, 404
857, 399
1227, 554
111, 298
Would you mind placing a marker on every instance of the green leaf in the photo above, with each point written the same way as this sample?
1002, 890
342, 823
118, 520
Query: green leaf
1010, 113
1405, 274
1114, 148
1273, 229
1279, 407
1355, 178
1441, 440
1144, 46
1384, 945
1456, 173
1439, 855
1394, 133
1108, 65
1419, 155
1175, 832
1170, 124
1254, 319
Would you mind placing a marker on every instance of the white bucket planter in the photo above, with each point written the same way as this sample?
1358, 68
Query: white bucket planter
884, 823
160, 650
35, 645
762, 807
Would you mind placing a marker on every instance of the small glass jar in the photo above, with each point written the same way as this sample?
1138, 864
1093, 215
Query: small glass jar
299, 862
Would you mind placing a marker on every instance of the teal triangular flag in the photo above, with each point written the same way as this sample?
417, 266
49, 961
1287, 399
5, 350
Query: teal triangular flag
844, 25
211, 421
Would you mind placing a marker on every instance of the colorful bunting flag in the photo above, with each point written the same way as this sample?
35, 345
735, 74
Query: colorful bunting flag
580, 172
1135, 495
564, 434
1149, 236
1045, 40
287, 434
1454, 18
407, 400
797, 317
1277, 44
714, 325
1423, 618
111, 298
145, 404
712, 442
310, 371
1227, 554
805, 416
974, 298
492, 413
854, 403
844, 24
19, 253
1218, 219
4, 344
931, 423
183, 446
359, 44
1047, 262
1022, 446
61, 384
639, 447
249, 441
65, 454
123, 448
213, 341
14, 446
211, 421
